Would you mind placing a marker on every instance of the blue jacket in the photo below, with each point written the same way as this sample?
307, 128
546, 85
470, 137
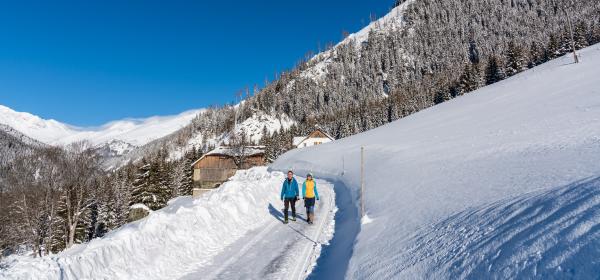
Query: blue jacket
289, 189
304, 189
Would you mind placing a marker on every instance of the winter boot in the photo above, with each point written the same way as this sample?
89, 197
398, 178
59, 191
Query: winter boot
285, 221
311, 218
293, 218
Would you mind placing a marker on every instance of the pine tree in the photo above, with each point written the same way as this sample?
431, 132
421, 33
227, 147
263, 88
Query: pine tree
536, 55
553, 49
160, 181
580, 35
141, 185
515, 59
470, 80
594, 34
442, 95
494, 71
183, 178
565, 46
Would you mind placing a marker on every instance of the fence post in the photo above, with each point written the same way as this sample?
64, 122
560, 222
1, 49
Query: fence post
362, 181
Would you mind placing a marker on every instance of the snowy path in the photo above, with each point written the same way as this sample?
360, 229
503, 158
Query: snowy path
232, 232
275, 250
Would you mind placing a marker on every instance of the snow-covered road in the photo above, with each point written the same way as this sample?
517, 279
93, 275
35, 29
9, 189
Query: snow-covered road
275, 250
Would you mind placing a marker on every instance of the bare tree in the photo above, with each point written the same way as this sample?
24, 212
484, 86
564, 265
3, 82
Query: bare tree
78, 192
239, 145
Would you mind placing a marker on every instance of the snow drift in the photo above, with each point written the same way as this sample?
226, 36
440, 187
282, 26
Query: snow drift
170, 242
536, 131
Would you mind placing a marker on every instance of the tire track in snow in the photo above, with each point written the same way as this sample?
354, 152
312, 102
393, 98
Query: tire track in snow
307, 259
243, 251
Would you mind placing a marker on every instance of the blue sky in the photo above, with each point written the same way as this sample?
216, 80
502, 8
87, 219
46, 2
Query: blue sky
89, 62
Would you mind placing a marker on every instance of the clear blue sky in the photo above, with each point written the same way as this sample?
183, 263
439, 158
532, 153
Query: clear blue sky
89, 62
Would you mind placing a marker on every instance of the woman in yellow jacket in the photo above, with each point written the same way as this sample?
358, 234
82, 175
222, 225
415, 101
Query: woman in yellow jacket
310, 193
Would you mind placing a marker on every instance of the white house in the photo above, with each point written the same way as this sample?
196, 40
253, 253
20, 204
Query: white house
315, 138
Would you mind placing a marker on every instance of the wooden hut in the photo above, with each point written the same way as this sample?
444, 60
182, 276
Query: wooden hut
318, 136
216, 166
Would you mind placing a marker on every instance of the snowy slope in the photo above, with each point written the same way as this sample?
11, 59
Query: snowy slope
20, 136
133, 131
449, 189
194, 238
253, 126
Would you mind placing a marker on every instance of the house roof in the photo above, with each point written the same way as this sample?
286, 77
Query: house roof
298, 140
229, 151
316, 131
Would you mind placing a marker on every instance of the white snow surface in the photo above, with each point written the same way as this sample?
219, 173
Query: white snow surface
136, 132
501, 183
220, 233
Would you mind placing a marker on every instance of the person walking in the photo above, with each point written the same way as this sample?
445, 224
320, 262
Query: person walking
310, 193
289, 195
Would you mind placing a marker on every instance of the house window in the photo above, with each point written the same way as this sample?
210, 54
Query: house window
317, 143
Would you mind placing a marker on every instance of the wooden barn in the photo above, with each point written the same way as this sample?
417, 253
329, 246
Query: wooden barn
216, 166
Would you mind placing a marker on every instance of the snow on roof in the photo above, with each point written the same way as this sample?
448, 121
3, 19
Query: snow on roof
140, 205
229, 151
299, 139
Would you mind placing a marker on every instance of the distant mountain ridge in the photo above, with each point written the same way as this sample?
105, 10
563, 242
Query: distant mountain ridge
135, 132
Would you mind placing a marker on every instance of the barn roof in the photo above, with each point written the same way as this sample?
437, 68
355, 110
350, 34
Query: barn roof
229, 151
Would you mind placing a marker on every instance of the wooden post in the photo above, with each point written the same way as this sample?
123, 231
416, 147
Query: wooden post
362, 181
570, 26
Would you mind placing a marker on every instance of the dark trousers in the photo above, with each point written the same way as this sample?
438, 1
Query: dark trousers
309, 203
286, 205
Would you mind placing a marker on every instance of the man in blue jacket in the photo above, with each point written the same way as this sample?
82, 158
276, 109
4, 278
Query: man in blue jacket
289, 195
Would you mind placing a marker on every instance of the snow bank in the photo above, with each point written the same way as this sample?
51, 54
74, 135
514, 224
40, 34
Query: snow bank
535, 131
170, 242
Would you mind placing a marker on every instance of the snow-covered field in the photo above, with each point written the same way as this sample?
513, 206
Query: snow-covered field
136, 132
500, 183
232, 232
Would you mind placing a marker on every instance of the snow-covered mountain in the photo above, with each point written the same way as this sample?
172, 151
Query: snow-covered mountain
14, 144
501, 183
134, 132
392, 22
